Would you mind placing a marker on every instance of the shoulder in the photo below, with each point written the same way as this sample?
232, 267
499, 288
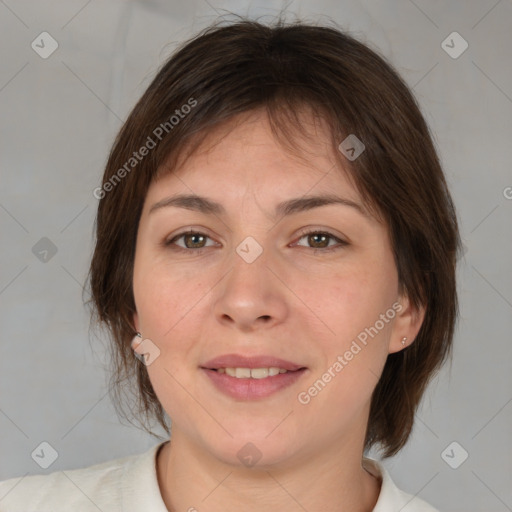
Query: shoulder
391, 498
104, 486
75, 489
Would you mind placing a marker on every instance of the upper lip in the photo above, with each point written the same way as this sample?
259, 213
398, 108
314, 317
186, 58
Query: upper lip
239, 361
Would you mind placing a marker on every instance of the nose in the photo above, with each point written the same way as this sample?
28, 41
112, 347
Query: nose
251, 296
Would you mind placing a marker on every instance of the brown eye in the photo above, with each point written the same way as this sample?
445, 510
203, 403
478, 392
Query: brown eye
320, 240
192, 240
195, 241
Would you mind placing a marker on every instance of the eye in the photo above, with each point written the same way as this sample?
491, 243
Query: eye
320, 239
192, 240
195, 241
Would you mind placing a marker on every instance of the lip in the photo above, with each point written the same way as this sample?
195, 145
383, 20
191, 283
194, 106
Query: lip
251, 389
239, 361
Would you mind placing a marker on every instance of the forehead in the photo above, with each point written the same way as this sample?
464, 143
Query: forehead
246, 152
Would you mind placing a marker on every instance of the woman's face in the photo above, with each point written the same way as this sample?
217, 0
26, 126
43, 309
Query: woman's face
249, 282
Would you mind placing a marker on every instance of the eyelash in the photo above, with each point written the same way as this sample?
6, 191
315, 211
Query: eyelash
341, 243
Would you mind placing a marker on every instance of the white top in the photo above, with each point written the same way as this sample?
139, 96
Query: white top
130, 484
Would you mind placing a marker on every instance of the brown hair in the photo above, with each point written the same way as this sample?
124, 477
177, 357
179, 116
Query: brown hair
245, 65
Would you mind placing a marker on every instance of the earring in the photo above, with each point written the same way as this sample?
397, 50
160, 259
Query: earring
136, 340
404, 339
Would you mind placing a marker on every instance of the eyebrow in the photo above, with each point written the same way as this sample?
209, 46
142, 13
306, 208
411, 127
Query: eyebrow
291, 206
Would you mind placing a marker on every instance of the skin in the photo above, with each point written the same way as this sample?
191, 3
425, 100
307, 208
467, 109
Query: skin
292, 302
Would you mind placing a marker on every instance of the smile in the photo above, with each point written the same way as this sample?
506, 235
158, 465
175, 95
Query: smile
252, 373
245, 384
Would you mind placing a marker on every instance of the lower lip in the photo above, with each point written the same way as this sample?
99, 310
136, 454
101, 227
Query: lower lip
252, 389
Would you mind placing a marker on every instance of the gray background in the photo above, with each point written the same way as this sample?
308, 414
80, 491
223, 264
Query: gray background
58, 120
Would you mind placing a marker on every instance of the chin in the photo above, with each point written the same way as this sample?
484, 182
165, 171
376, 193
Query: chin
255, 456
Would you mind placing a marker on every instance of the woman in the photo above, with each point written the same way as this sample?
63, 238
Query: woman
275, 263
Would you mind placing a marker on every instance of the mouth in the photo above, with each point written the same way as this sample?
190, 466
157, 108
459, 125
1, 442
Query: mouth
250, 378
253, 373
244, 363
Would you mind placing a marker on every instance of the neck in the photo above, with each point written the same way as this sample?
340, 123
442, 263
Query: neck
191, 480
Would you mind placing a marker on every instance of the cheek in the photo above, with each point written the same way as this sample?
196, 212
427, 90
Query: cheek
163, 296
346, 303
168, 306
355, 344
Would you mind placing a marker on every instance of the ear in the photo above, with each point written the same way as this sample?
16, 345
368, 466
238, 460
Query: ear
407, 324
136, 321
136, 341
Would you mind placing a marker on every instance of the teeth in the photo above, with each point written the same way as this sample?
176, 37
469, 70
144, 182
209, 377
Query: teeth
242, 373
254, 373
